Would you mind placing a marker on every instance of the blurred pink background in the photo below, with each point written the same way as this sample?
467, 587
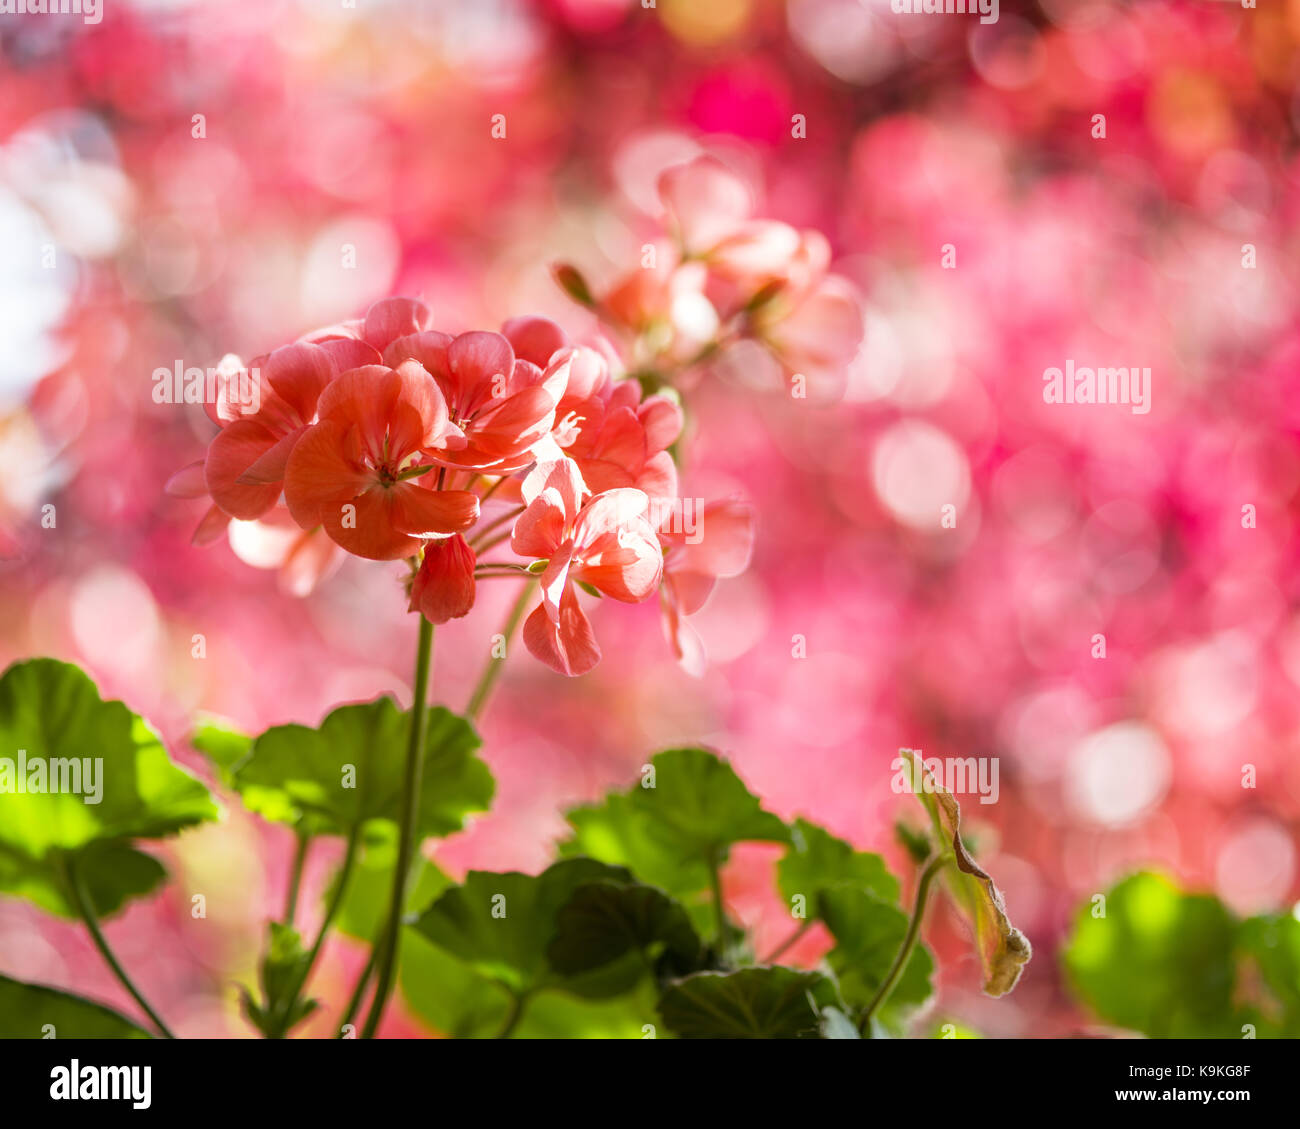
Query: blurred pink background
327, 127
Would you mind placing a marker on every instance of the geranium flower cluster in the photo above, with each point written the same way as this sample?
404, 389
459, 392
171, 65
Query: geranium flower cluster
722, 284
387, 439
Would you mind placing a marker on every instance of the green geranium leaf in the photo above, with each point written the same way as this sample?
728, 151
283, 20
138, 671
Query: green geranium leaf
559, 1015
1272, 945
501, 924
1159, 961
666, 834
223, 744
111, 874
448, 994
33, 1011
364, 910
603, 921
453, 999
51, 715
868, 932
754, 1003
817, 860
332, 779
620, 832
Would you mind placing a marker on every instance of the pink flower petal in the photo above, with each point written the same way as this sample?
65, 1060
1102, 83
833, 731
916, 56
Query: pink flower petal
231, 452
563, 476
478, 357
443, 588
534, 339
212, 526
298, 374
422, 512
569, 646
662, 420
705, 201
391, 318
269, 467
540, 529
188, 482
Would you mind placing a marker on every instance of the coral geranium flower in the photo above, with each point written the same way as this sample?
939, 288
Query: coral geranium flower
705, 203
816, 331
535, 339
443, 588
265, 408
666, 304
385, 321
303, 558
617, 438
503, 405
361, 473
606, 542
245, 463
718, 548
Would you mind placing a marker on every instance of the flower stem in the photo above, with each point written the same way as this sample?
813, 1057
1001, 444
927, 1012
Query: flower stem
295, 877
487, 680
491, 489
909, 941
719, 909
87, 913
387, 960
481, 547
514, 1015
495, 523
340, 891
359, 991
789, 943
331, 912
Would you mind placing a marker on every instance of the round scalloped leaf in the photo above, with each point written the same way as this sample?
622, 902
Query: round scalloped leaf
51, 715
697, 808
350, 770
33, 1011
501, 924
1160, 961
754, 1003
868, 933
603, 921
817, 859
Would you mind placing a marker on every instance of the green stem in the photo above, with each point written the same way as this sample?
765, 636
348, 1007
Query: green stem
387, 961
720, 910
488, 679
359, 991
340, 891
416, 471
295, 877
514, 1015
495, 523
491, 489
909, 942
481, 547
87, 913
331, 912
789, 943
